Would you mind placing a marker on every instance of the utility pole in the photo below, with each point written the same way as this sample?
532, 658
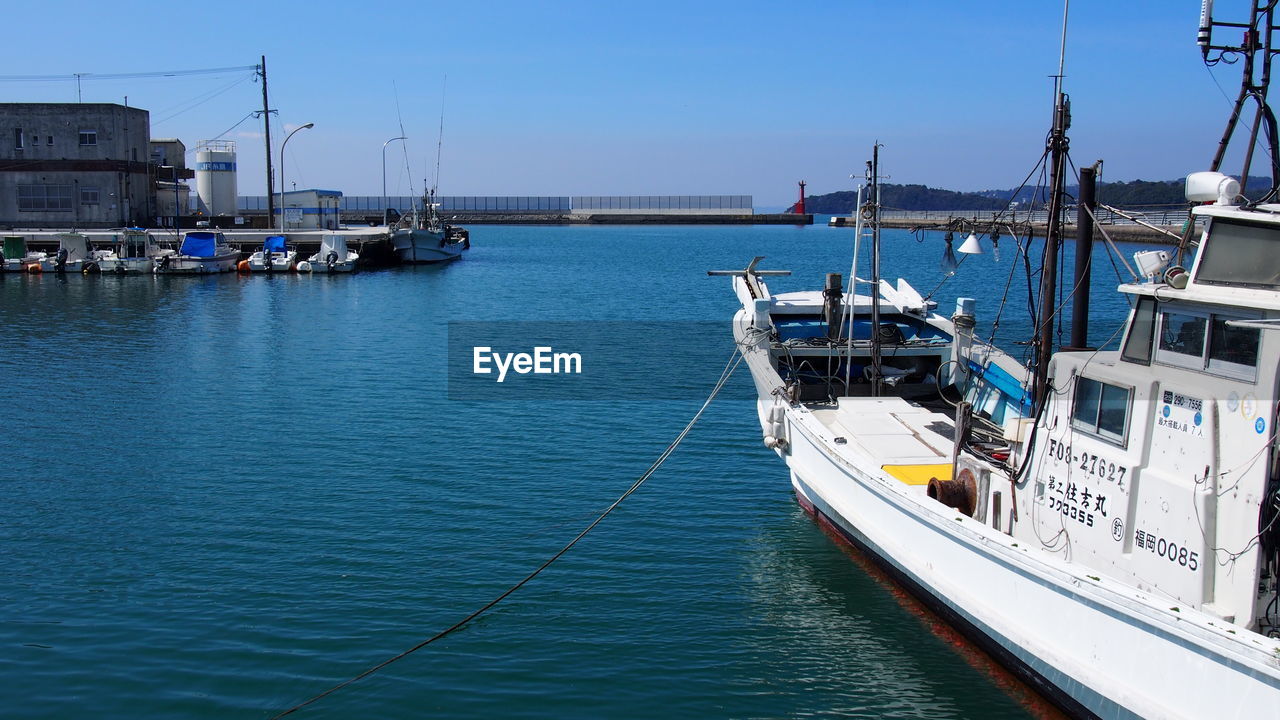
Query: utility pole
266, 132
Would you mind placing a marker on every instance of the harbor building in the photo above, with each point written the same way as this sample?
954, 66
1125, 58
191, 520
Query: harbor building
77, 165
303, 209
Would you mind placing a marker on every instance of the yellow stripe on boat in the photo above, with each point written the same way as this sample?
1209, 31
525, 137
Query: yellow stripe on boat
919, 474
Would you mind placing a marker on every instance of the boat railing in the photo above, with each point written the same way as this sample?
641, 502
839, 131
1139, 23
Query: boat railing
1164, 215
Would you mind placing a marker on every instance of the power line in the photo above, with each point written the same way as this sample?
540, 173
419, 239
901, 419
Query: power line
76, 77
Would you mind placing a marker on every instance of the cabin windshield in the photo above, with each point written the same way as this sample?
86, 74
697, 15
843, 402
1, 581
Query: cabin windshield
1242, 254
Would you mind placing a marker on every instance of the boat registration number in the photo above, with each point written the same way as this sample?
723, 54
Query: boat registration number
1089, 463
1168, 549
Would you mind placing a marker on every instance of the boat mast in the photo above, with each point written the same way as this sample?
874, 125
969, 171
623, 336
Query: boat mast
874, 204
1058, 144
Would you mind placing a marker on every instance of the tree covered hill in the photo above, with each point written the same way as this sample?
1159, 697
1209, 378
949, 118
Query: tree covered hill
922, 197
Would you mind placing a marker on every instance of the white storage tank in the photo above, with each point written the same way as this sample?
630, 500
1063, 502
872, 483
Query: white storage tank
216, 177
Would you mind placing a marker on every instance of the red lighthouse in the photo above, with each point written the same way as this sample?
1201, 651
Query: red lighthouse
798, 208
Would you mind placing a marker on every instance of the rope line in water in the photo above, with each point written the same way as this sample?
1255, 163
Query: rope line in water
725, 374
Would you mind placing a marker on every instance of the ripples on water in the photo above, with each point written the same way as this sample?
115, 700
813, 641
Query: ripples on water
223, 495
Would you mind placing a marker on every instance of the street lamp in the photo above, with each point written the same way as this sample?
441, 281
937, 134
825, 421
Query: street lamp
282, 186
384, 177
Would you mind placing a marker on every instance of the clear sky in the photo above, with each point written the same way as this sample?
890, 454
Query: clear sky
694, 97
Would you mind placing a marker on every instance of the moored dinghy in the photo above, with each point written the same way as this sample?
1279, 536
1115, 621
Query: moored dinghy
136, 251
334, 256
17, 258
273, 257
202, 252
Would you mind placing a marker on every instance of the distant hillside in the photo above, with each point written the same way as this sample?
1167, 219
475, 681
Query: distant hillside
921, 197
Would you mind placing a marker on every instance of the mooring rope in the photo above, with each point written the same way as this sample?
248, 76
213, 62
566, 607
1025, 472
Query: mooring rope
725, 374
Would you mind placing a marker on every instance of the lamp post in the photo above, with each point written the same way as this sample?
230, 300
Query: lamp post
384, 177
282, 145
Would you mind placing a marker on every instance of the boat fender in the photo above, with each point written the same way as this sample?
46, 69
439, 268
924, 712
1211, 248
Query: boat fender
242, 266
775, 435
90, 267
304, 266
960, 492
331, 260
35, 269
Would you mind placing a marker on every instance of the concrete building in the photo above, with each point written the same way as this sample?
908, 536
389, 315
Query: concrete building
77, 165
173, 196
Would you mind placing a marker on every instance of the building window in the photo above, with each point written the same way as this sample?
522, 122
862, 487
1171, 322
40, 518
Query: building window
44, 198
50, 139
1101, 409
88, 137
89, 196
17, 138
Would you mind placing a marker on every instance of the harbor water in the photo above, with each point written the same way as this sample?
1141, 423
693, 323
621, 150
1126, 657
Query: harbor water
224, 495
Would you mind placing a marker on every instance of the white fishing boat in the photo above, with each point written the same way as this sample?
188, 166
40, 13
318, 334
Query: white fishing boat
334, 256
274, 256
422, 238
201, 252
136, 251
1104, 523
17, 258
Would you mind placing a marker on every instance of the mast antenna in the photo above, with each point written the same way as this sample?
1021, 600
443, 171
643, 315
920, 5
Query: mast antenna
440, 135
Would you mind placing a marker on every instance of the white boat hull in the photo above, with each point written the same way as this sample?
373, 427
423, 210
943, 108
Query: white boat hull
189, 265
1092, 645
280, 262
416, 247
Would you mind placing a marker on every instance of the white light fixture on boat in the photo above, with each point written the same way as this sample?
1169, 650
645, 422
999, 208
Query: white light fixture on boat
1214, 187
971, 245
1151, 262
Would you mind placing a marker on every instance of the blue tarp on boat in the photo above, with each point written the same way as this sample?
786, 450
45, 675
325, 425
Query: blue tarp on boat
200, 244
274, 244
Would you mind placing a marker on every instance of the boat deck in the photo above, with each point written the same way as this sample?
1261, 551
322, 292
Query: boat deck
911, 442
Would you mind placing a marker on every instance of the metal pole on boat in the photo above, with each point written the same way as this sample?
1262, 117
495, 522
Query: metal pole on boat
1058, 144
876, 380
384, 177
282, 185
853, 289
1084, 257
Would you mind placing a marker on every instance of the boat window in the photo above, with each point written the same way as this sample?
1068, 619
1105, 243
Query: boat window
1101, 409
1242, 254
1182, 338
1137, 346
1233, 350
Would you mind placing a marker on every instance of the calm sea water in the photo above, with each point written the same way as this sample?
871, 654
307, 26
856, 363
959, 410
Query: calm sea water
223, 495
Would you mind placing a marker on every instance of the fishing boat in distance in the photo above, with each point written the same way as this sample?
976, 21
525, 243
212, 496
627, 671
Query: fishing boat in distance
274, 256
423, 237
1105, 523
334, 256
202, 252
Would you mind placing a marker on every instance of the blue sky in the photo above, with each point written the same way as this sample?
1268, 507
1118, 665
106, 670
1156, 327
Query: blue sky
563, 98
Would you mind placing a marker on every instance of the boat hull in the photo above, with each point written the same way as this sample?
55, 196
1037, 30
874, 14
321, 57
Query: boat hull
423, 247
280, 262
1093, 648
190, 265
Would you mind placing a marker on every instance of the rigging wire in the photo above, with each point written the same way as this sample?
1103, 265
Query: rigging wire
725, 374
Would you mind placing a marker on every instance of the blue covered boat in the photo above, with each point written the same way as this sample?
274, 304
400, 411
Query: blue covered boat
202, 252
274, 256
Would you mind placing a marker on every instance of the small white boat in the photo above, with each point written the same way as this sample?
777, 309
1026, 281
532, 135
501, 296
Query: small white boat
74, 255
135, 252
273, 257
17, 258
334, 256
202, 252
